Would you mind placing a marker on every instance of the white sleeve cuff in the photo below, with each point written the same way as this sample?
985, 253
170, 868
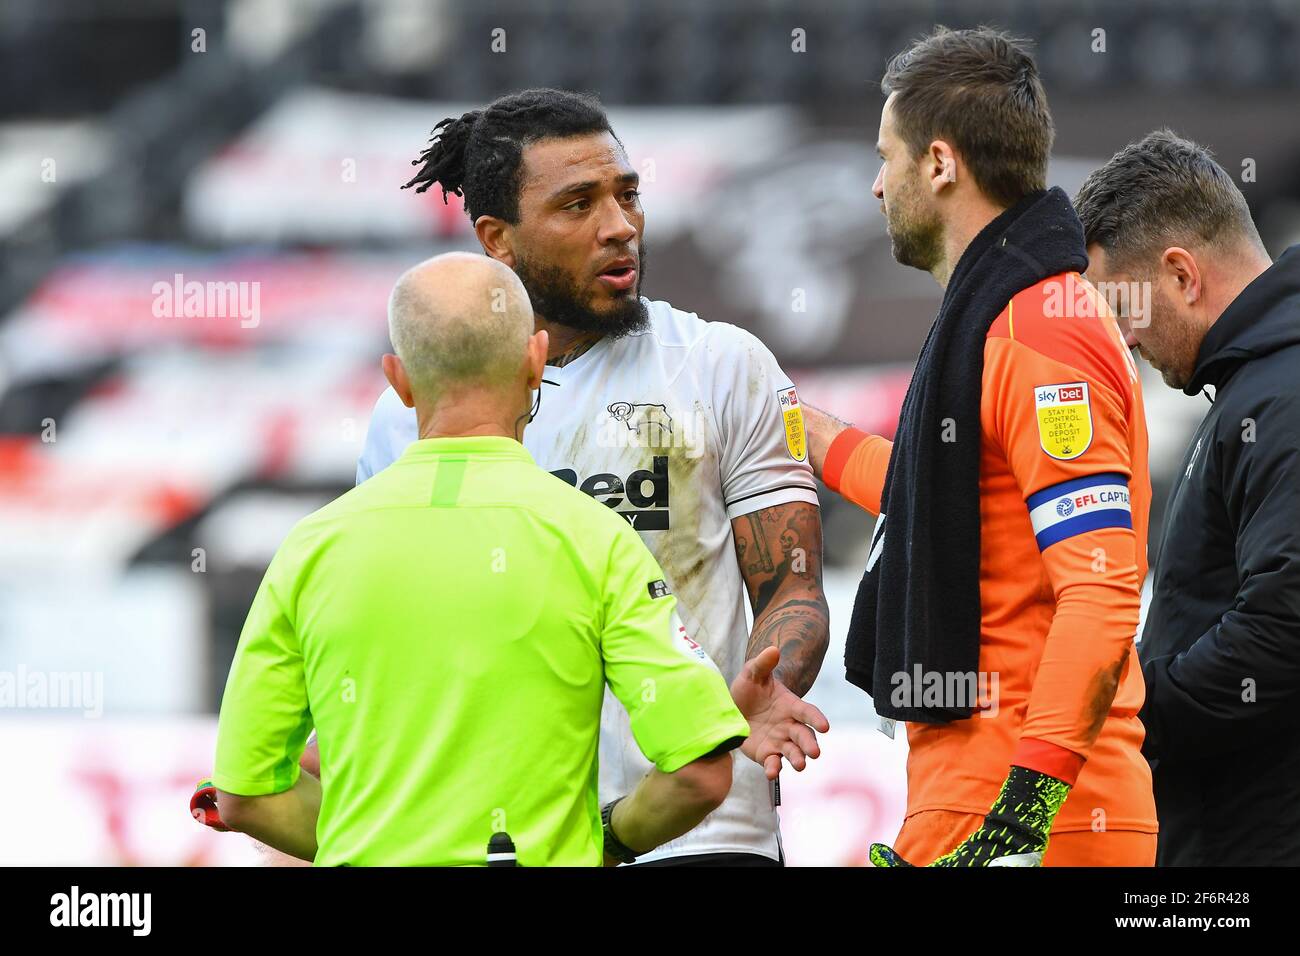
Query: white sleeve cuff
748, 504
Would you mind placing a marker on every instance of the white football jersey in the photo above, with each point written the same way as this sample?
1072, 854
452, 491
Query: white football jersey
679, 428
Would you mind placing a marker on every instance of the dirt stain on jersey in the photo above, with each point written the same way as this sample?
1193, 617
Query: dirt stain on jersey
682, 554
577, 444
1101, 694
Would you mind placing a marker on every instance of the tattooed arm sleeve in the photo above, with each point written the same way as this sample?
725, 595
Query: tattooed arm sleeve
780, 555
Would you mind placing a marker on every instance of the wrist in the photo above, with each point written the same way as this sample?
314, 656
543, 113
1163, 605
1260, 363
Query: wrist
1028, 802
1048, 758
838, 453
615, 848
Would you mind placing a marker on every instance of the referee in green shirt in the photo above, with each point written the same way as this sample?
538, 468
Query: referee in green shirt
449, 626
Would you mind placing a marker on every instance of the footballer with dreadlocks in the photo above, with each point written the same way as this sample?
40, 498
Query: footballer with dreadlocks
688, 429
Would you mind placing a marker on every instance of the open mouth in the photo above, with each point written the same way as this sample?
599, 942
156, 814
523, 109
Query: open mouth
619, 276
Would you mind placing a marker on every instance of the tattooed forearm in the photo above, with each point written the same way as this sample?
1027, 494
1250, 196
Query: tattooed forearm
799, 630
779, 551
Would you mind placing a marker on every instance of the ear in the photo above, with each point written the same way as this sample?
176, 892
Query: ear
939, 166
496, 236
1180, 266
395, 372
538, 344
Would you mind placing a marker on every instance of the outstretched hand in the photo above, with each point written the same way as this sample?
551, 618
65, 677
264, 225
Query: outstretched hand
780, 723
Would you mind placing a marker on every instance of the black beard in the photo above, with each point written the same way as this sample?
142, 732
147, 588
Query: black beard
920, 248
556, 298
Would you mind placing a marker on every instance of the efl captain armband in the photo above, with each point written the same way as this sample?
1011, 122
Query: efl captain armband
1079, 505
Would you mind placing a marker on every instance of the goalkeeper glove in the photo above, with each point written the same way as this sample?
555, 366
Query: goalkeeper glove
1015, 831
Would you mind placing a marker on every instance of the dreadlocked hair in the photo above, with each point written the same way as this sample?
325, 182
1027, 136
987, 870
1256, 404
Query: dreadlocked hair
479, 156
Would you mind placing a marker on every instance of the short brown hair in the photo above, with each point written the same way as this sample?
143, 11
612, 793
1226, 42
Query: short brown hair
1158, 192
979, 90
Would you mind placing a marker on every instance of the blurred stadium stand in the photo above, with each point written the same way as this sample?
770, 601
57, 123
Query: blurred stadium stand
151, 462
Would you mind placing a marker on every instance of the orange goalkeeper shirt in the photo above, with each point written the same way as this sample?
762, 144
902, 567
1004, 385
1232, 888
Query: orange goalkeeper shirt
1064, 496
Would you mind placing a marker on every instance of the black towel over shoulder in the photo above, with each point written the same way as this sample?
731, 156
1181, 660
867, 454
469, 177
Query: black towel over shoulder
919, 603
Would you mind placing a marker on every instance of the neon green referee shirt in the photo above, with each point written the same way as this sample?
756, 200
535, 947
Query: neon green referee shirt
448, 627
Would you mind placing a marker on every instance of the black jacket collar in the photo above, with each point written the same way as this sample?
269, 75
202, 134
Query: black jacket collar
1265, 317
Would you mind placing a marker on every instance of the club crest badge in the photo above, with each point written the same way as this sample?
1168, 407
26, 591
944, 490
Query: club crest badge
651, 423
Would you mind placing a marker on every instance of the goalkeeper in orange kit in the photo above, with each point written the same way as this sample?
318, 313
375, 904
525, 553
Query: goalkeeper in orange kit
1011, 544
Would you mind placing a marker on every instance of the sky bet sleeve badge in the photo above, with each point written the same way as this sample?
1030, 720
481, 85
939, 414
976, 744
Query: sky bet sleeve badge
1064, 419
795, 441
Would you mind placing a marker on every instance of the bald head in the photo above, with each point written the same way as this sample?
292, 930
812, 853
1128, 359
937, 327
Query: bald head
460, 319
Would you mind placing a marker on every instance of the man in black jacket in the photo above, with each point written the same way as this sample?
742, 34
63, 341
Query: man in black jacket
1221, 648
